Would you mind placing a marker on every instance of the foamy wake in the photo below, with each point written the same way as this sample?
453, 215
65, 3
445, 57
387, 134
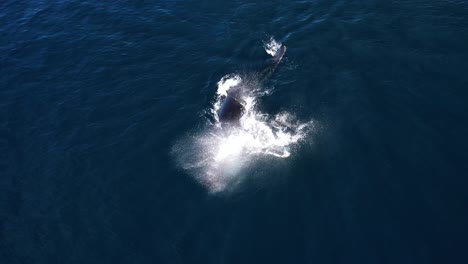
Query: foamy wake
217, 155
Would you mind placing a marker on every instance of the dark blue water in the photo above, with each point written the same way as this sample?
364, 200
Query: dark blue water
95, 94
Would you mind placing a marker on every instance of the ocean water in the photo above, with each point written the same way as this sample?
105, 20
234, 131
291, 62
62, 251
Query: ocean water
353, 151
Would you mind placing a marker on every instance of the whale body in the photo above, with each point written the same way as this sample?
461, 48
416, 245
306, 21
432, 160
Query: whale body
232, 109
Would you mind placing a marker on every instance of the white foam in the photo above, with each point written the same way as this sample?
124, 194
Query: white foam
227, 82
272, 46
217, 155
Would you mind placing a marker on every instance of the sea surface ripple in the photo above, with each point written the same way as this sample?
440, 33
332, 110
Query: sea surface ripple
94, 95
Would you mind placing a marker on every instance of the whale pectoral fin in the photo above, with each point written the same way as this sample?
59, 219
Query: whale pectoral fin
272, 63
279, 54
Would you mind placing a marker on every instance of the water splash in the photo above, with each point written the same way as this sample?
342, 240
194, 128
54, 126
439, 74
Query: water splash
217, 155
272, 46
226, 83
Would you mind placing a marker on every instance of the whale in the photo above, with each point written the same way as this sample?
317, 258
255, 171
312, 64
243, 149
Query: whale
232, 108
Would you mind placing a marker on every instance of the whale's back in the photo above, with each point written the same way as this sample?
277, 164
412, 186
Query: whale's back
231, 110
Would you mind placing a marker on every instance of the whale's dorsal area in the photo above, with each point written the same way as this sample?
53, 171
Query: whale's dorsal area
232, 109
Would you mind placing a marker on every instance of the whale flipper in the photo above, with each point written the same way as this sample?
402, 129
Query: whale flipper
272, 63
279, 54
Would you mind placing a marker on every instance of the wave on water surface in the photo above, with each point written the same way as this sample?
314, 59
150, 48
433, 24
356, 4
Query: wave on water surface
217, 155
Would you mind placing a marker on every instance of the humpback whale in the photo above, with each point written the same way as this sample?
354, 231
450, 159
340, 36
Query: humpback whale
231, 109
